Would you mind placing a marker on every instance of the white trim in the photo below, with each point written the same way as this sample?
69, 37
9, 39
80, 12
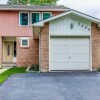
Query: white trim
98, 25
91, 53
24, 38
67, 13
48, 13
31, 16
28, 18
70, 34
49, 53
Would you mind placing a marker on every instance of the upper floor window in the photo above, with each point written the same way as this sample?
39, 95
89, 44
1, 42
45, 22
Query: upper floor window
35, 17
46, 15
24, 17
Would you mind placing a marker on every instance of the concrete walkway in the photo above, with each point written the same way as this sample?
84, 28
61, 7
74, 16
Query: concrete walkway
4, 69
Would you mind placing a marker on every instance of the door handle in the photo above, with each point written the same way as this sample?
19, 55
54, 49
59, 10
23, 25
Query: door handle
69, 57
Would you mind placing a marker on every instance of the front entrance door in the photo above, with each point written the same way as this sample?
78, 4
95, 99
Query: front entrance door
8, 51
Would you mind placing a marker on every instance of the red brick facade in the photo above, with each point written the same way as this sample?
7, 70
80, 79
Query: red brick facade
44, 48
44, 58
95, 46
57, 13
1, 50
28, 56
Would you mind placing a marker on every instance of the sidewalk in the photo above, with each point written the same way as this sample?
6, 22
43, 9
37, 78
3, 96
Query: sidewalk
4, 69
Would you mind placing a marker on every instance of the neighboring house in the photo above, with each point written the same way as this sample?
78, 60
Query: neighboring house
65, 39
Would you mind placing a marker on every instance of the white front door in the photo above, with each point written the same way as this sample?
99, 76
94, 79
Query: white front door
69, 54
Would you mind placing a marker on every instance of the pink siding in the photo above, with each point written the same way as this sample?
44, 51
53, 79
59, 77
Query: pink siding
9, 25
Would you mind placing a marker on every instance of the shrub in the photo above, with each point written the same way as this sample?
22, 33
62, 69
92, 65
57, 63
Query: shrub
34, 67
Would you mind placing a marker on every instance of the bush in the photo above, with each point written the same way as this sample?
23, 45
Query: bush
34, 67
98, 69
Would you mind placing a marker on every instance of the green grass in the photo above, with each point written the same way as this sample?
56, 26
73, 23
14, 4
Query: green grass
4, 76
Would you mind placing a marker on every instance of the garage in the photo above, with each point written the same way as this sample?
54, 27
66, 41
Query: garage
67, 43
69, 53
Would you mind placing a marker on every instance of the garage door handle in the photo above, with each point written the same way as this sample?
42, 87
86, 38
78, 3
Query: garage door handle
69, 57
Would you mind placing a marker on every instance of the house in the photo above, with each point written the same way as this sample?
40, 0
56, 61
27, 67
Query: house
55, 37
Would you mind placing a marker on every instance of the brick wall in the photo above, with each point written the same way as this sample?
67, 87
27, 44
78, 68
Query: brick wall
57, 13
1, 50
44, 58
44, 48
95, 46
28, 56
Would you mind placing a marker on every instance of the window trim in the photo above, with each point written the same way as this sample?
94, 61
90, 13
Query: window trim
24, 38
19, 18
31, 16
46, 12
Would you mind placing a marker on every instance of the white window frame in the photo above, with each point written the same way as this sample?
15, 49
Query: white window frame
24, 38
46, 12
33, 13
28, 18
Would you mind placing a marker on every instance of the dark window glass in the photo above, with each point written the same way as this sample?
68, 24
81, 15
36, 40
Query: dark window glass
46, 15
35, 17
23, 18
14, 49
8, 50
24, 42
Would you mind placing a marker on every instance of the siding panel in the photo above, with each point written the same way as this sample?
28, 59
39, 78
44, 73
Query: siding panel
62, 26
9, 25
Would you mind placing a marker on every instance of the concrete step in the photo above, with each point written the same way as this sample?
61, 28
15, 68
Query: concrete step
8, 64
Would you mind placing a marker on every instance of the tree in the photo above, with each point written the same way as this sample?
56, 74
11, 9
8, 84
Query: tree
36, 2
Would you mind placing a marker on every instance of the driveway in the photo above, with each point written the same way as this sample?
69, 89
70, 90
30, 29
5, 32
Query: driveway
52, 86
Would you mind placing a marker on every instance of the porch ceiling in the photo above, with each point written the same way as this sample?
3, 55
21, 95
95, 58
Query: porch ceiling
9, 38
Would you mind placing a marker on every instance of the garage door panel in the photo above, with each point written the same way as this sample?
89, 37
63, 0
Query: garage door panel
79, 57
78, 48
79, 65
58, 66
69, 53
59, 58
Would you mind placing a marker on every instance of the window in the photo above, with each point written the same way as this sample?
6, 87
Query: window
46, 15
8, 50
35, 17
24, 42
24, 17
14, 48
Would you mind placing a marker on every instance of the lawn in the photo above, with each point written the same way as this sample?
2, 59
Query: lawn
4, 76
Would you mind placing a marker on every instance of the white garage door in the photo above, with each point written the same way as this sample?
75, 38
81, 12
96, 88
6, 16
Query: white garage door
69, 54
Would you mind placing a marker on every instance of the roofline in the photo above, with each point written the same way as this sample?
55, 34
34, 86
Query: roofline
85, 14
18, 9
93, 19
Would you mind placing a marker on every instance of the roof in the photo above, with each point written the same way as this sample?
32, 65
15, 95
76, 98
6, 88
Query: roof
33, 7
82, 15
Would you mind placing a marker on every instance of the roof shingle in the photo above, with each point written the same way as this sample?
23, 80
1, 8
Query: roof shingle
33, 7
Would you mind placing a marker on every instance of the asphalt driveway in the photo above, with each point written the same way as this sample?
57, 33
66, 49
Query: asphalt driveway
52, 86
